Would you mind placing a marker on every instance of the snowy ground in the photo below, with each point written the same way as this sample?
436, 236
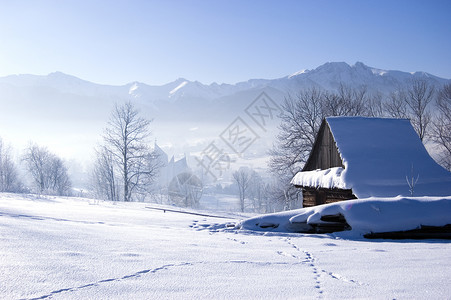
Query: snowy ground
78, 249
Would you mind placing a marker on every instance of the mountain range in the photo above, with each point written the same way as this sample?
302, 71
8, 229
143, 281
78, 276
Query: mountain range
327, 76
68, 114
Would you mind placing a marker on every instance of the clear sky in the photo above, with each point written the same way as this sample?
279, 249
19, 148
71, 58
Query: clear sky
155, 42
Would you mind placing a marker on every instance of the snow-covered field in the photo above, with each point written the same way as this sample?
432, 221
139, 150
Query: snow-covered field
68, 248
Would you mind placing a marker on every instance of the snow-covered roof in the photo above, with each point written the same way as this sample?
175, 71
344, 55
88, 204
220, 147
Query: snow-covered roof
378, 155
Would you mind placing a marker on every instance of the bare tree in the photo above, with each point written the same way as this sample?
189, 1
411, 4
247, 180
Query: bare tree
104, 176
257, 192
59, 181
441, 129
418, 97
299, 126
346, 101
47, 170
268, 202
37, 159
147, 173
243, 178
359, 101
375, 106
9, 181
126, 140
396, 106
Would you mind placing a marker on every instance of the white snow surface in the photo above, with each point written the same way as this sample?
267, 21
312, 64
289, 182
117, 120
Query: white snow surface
379, 156
69, 248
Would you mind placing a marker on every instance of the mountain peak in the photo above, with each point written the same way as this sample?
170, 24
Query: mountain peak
180, 80
333, 67
57, 79
61, 75
360, 65
57, 73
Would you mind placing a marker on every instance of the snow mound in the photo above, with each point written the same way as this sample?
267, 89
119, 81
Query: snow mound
364, 216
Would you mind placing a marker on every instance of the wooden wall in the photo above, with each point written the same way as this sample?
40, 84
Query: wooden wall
324, 154
313, 197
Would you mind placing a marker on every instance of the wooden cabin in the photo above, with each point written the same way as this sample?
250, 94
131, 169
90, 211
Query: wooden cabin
358, 157
324, 155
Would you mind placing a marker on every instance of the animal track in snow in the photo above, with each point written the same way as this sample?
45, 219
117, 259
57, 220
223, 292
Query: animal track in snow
310, 260
97, 283
238, 241
212, 227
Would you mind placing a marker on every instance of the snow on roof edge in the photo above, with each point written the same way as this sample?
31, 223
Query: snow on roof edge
329, 178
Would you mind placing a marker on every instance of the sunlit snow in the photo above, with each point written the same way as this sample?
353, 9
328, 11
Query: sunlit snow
133, 88
303, 71
178, 87
67, 248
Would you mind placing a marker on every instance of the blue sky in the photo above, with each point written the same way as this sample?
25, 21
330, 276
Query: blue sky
116, 42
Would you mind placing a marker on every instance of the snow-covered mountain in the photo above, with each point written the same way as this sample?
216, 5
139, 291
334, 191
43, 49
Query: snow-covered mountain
69, 113
327, 76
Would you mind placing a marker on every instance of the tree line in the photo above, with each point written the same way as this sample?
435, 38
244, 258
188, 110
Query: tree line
46, 171
124, 167
258, 194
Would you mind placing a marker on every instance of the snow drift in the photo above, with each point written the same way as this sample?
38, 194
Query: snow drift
364, 216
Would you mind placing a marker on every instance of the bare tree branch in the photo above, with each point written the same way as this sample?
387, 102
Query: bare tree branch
418, 97
441, 127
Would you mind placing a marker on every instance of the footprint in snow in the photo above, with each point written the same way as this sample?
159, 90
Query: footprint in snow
235, 240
